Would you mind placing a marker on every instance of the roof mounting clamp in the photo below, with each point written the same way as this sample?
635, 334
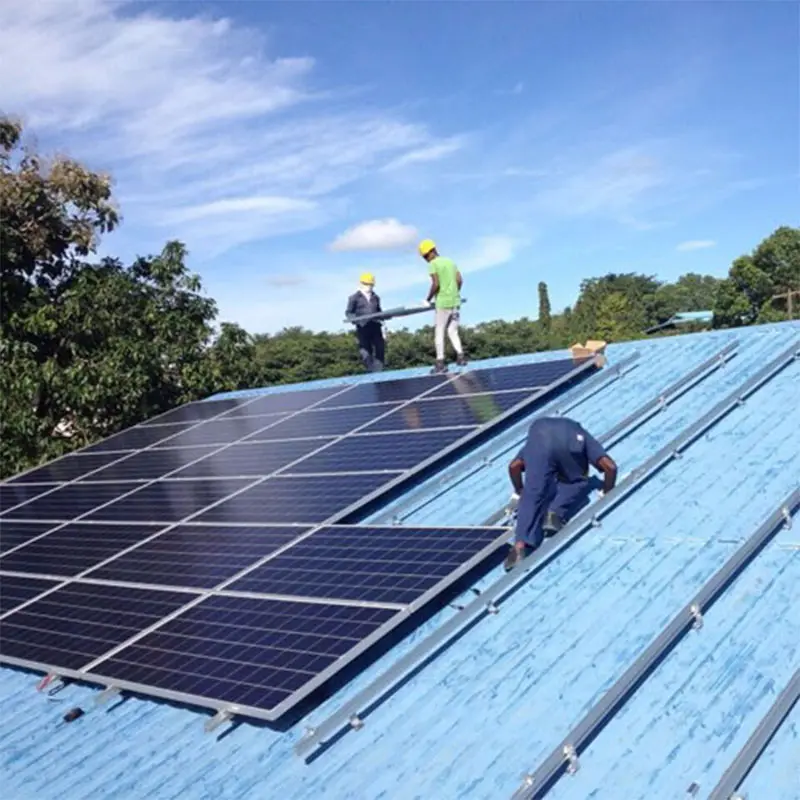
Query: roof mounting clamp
596, 522
106, 695
356, 723
51, 677
662, 402
787, 516
492, 608
677, 455
697, 616
220, 718
396, 520
737, 796
571, 757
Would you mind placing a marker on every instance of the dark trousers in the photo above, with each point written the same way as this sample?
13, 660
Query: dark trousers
371, 345
536, 501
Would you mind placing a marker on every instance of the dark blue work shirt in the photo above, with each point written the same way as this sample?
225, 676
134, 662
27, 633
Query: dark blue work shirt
359, 305
558, 447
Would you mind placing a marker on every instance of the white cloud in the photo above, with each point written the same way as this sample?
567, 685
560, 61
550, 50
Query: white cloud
198, 119
376, 234
695, 244
423, 155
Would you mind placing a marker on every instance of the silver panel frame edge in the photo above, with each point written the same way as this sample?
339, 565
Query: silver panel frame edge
487, 601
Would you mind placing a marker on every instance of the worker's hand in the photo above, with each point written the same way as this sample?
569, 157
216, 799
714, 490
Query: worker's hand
427, 302
513, 501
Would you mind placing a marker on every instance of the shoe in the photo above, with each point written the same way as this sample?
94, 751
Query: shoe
552, 524
461, 361
439, 368
514, 556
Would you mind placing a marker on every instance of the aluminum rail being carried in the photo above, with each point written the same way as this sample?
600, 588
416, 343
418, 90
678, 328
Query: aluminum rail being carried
564, 758
351, 714
737, 772
456, 474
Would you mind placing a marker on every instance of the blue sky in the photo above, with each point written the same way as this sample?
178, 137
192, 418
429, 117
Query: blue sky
292, 145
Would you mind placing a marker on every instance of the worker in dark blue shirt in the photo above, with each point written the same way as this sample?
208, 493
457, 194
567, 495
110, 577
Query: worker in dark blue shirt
371, 343
555, 461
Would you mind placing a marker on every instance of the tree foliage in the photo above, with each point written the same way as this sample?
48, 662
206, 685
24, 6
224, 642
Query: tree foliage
90, 346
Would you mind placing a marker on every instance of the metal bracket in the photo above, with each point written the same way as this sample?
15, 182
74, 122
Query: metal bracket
662, 403
787, 517
571, 757
697, 616
106, 695
356, 723
220, 718
492, 608
596, 522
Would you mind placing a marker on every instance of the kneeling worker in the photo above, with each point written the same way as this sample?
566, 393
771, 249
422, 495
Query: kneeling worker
555, 460
370, 333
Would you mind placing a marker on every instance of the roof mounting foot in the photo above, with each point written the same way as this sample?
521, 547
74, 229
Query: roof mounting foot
596, 523
787, 516
571, 757
396, 520
677, 455
662, 403
106, 695
740, 401
220, 718
697, 617
356, 723
491, 608
737, 796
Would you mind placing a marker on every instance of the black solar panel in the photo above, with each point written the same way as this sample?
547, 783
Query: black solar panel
242, 497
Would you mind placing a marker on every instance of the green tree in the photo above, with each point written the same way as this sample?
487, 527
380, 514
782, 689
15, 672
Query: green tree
544, 306
617, 318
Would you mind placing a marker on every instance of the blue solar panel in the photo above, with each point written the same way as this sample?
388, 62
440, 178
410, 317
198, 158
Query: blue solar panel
68, 468
197, 556
139, 437
393, 451
474, 410
79, 622
309, 498
69, 500
258, 459
285, 402
330, 422
382, 565
13, 534
12, 494
223, 431
147, 465
197, 412
165, 501
75, 547
385, 391
15, 591
239, 650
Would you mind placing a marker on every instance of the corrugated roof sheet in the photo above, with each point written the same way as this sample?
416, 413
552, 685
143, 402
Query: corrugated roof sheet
489, 707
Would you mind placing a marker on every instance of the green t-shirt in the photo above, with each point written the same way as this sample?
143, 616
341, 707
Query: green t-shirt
448, 295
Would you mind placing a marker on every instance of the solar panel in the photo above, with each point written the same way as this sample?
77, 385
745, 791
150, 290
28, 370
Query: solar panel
236, 510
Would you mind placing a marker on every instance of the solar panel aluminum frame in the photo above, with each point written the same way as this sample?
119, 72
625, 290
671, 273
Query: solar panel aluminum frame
92, 672
95, 675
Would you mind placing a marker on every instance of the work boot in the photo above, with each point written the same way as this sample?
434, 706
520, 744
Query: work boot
438, 368
552, 524
514, 556
461, 360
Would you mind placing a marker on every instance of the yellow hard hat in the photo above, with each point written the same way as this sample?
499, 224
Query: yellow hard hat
425, 246
367, 277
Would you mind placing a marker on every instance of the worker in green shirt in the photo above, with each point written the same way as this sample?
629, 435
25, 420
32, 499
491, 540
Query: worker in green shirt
446, 289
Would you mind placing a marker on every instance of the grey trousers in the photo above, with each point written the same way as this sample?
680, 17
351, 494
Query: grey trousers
447, 321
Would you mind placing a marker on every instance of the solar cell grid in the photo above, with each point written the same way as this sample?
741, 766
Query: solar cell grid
196, 556
68, 468
385, 391
75, 548
148, 465
390, 451
222, 431
472, 410
197, 412
257, 459
241, 650
13, 494
13, 534
79, 622
69, 500
306, 499
14, 591
329, 422
137, 438
285, 402
380, 564
166, 500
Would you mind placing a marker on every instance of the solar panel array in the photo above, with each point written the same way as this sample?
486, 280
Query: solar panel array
204, 556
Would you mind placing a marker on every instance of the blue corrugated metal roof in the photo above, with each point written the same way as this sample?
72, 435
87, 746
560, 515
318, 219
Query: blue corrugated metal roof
487, 709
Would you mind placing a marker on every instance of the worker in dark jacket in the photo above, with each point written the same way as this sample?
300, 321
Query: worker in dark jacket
370, 334
555, 461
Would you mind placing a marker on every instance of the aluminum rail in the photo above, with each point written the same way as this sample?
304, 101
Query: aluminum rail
564, 758
654, 406
737, 772
350, 715
455, 475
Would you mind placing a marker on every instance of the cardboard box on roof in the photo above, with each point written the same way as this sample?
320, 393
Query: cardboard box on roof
591, 348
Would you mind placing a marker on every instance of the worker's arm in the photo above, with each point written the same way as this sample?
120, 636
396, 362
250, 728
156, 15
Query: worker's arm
515, 471
459, 279
434, 290
602, 461
351, 307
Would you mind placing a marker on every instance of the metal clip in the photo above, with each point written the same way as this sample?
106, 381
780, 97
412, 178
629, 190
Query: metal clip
356, 723
106, 695
697, 616
677, 455
396, 520
491, 608
662, 403
787, 516
571, 756
220, 718
596, 523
